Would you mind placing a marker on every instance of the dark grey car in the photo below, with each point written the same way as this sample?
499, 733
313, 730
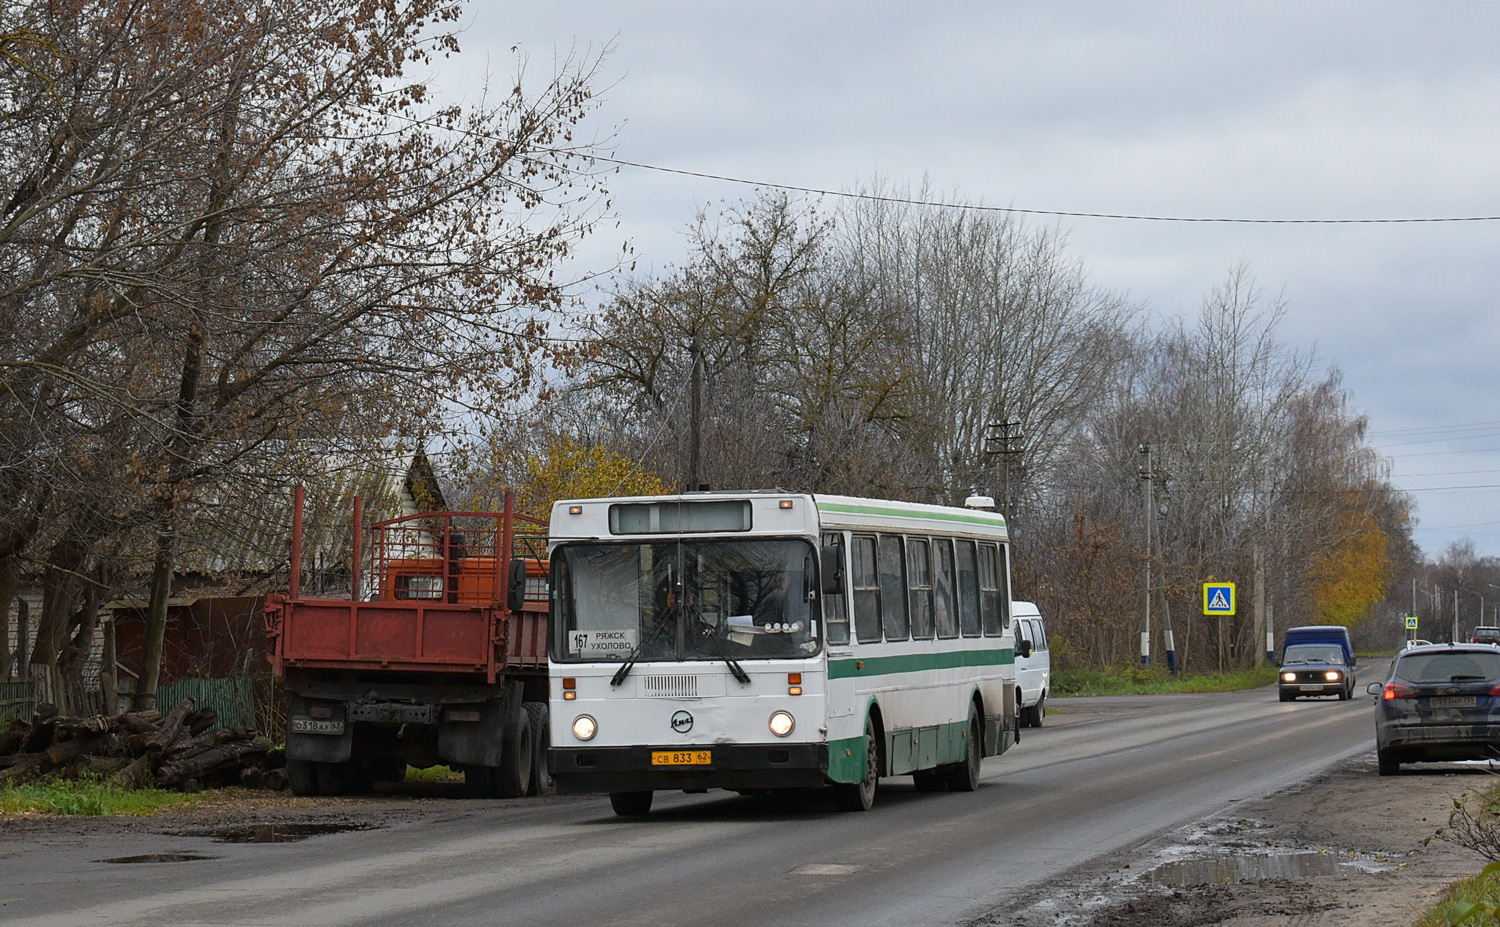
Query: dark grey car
1440, 703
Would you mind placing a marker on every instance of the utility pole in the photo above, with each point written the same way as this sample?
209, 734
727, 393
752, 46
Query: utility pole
1454, 638
1004, 439
1270, 632
1147, 476
695, 427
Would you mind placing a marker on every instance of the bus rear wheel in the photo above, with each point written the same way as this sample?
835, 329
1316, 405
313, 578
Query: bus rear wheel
860, 796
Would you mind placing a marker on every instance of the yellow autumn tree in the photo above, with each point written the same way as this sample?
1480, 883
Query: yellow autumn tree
1349, 578
566, 468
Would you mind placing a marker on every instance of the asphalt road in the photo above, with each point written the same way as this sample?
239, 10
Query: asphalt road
1102, 775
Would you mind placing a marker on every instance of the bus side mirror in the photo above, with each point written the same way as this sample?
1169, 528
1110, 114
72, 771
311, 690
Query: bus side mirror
1023, 649
515, 588
832, 563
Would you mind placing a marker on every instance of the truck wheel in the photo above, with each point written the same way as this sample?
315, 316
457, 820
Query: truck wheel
479, 782
630, 804
333, 778
541, 739
388, 769
302, 775
513, 775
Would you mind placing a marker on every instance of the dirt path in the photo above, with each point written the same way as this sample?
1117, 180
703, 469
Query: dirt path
1343, 848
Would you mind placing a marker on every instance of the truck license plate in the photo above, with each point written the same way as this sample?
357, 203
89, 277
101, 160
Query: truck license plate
1453, 701
681, 757
310, 726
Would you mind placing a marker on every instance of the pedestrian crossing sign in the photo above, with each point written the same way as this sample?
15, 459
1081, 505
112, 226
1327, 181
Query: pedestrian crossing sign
1411, 622
1218, 598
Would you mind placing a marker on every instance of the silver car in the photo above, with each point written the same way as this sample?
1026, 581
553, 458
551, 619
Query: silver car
1441, 702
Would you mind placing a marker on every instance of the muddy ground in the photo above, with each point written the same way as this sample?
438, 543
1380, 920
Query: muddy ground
1343, 848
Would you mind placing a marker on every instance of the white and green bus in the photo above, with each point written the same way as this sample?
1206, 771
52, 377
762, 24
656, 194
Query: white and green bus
759, 640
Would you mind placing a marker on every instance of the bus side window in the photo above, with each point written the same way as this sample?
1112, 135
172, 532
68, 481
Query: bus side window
866, 579
968, 590
835, 613
919, 578
893, 588
989, 591
942, 588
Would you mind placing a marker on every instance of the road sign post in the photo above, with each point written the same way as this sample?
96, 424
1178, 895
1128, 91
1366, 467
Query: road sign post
1218, 601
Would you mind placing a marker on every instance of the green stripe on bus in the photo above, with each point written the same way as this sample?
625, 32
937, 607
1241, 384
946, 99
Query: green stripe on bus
992, 521
916, 662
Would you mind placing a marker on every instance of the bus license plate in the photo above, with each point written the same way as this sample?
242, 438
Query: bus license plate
1453, 701
310, 726
681, 757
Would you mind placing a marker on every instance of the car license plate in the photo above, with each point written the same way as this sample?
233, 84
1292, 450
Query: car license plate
1453, 701
311, 726
681, 757
1310, 688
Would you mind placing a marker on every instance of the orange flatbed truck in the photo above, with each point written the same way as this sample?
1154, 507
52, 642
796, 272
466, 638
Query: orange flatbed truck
443, 662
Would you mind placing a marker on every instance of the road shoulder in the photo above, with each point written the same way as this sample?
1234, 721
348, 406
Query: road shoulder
1345, 847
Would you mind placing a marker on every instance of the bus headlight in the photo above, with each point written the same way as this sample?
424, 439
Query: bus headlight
584, 727
781, 724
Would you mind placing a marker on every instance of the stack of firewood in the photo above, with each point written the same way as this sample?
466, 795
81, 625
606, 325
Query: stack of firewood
181, 750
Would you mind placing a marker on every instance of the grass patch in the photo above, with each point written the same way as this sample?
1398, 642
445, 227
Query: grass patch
1141, 680
89, 797
1473, 823
434, 774
1481, 890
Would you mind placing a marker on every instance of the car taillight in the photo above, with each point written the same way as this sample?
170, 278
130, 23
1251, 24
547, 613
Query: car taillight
1495, 689
1397, 690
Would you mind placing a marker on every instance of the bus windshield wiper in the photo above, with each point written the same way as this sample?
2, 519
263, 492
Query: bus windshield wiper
732, 663
635, 654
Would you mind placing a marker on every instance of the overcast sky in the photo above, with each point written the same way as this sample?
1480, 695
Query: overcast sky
1242, 109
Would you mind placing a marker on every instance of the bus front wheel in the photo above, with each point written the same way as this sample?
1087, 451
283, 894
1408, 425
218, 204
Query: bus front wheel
630, 804
964, 776
860, 796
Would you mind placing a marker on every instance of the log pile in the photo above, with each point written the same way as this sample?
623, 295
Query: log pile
180, 750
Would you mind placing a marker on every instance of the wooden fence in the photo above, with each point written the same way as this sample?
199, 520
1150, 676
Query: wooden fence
233, 698
17, 699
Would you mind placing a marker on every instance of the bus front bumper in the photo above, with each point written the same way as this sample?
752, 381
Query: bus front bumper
730, 766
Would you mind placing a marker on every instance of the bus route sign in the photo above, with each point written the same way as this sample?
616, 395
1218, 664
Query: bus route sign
1218, 598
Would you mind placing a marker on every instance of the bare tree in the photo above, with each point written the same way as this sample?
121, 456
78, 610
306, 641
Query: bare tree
245, 229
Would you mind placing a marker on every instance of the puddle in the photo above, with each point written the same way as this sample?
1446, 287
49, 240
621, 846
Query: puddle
157, 858
280, 833
1246, 868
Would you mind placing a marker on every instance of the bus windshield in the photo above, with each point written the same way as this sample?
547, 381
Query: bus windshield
685, 600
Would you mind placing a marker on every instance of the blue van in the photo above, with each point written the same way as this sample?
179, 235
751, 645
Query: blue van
1316, 660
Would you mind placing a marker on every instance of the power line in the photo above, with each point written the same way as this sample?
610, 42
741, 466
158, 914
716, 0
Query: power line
1070, 214
1433, 429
